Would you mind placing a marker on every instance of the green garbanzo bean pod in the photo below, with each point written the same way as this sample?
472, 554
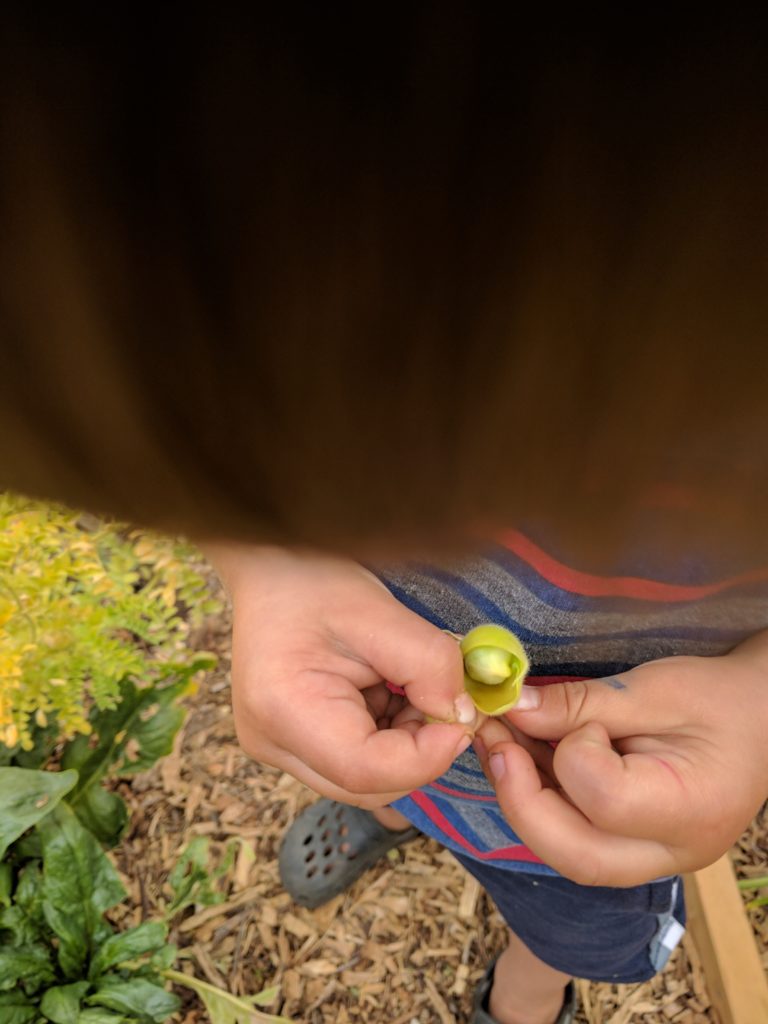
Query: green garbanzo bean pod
495, 665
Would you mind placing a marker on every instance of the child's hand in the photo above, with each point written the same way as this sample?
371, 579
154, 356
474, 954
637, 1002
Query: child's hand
314, 637
658, 770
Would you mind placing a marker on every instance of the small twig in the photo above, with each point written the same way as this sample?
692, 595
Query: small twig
143, 896
208, 967
237, 953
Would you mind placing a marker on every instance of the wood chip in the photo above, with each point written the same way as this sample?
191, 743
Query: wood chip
439, 1004
297, 927
318, 968
292, 985
193, 801
460, 981
246, 858
221, 909
208, 967
470, 893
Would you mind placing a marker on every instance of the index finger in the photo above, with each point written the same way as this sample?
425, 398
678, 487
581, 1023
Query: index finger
337, 738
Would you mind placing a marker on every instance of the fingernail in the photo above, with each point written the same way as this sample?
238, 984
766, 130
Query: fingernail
463, 744
465, 710
530, 699
498, 765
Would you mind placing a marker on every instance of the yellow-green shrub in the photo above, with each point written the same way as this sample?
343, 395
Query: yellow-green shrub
85, 605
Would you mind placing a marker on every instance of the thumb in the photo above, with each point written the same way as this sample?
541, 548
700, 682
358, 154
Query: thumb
405, 649
551, 711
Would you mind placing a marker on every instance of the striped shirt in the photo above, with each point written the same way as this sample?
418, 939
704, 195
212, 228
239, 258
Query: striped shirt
574, 625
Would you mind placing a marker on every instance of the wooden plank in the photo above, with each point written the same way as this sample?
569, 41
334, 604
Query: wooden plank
718, 924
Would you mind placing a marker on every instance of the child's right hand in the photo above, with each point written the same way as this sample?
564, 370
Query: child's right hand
314, 638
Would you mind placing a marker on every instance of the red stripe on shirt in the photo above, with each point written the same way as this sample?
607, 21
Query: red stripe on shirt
483, 797
590, 585
435, 815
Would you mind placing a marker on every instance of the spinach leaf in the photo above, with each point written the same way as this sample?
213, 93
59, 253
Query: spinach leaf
79, 884
22, 929
25, 966
96, 1015
29, 891
103, 813
15, 1008
145, 938
136, 996
26, 796
61, 1004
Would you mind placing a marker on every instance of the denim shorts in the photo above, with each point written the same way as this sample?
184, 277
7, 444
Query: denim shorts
598, 933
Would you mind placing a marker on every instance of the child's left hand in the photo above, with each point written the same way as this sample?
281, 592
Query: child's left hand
658, 770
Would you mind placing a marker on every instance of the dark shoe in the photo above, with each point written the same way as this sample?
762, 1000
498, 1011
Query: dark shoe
482, 1015
329, 846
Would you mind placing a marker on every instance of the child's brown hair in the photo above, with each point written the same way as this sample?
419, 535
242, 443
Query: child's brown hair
345, 275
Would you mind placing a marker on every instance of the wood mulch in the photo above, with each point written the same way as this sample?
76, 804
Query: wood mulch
406, 945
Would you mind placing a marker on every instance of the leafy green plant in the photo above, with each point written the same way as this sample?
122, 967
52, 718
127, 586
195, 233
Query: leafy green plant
192, 881
60, 958
94, 663
121, 741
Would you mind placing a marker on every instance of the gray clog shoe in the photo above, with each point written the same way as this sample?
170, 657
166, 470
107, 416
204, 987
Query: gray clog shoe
329, 846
